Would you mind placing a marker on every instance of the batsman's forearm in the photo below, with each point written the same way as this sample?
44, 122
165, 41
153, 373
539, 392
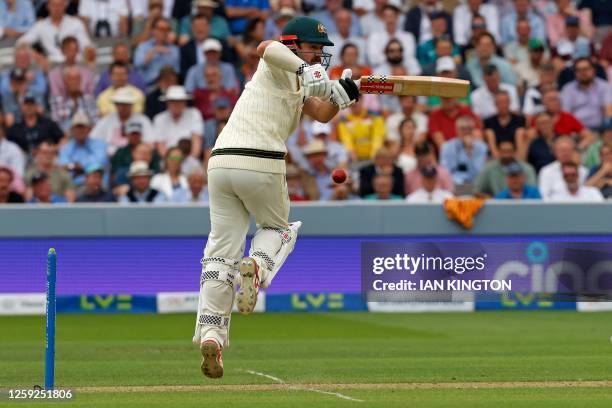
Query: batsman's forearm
282, 57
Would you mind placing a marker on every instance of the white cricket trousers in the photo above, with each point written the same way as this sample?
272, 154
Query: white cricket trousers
234, 195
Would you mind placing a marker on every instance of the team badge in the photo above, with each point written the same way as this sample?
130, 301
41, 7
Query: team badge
321, 28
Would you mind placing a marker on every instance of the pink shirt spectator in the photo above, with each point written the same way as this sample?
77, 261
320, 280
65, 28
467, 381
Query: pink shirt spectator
412, 180
58, 88
555, 26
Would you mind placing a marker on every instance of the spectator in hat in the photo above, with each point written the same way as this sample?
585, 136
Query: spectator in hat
483, 98
408, 110
344, 21
110, 127
573, 188
191, 51
167, 78
566, 123
418, 21
391, 31
600, 176
317, 180
295, 188
425, 156
140, 191
522, 10
57, 83
203, 98
41, 191
178, 122
518, 187
81, 152
109, 19
171, 179
240, 12
446, 67
566, 14
196, 76
485, 56
529, 71
465, 155
382, 186
463, 15
45, 162
196, 191
593, 152
94, 191
426, 52
11, 155
429, 192
63, 107
505, 125
33, 128
219, 28
383, 164
153, 54
17, 93
361, 133
16, 17
35, 79
492, 179
135, 150
7, 195
119, 77
50, 31
121, 54
550, 179
588, 98
581, 44
442, 121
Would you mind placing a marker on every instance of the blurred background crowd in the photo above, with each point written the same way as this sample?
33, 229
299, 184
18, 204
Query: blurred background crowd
122, 100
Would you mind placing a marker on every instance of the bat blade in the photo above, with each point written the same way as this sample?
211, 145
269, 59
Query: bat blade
414, 86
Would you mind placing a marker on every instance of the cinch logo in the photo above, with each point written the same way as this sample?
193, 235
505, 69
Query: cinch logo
106, 303
321, 301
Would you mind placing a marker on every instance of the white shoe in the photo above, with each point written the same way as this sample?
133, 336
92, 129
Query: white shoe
246, 299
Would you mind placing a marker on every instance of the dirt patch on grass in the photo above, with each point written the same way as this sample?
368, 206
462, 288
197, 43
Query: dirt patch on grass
360, 386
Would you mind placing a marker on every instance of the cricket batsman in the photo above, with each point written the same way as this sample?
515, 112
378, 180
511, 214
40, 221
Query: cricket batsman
246, 176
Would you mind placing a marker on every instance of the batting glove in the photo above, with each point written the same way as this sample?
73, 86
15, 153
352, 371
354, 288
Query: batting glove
315, 81
345, 91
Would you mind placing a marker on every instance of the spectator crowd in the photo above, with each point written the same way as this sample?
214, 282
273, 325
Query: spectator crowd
537, 123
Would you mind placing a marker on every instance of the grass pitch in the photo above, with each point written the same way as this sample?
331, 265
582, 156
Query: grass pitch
488, 359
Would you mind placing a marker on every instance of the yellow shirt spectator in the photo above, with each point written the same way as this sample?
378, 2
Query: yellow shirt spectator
361, 132
105, 100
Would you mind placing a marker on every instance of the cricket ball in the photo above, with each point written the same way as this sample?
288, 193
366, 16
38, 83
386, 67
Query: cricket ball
339, 176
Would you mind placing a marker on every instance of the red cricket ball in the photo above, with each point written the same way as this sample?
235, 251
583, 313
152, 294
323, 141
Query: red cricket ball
339, 176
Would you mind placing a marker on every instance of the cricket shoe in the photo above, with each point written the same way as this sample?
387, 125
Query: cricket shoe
249, 285
212, 361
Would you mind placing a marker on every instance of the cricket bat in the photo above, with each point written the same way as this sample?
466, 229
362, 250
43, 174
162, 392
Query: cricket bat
414, 85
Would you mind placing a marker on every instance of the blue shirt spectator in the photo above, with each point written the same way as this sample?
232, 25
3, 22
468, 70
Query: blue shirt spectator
464, 156
156, 53
232, 10
16, 19
529, 192
508, 26
184, 195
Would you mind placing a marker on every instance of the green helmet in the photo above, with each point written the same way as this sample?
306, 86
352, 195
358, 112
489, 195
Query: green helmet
305, 29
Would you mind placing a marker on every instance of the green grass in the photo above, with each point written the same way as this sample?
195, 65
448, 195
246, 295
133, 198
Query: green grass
121, 350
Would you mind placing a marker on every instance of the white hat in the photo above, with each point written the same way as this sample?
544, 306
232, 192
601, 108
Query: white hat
212, 44
124, 95
445, 64
80, 118
175, 93
565, 47
139, 168
285, 12
321, 128
315, 146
